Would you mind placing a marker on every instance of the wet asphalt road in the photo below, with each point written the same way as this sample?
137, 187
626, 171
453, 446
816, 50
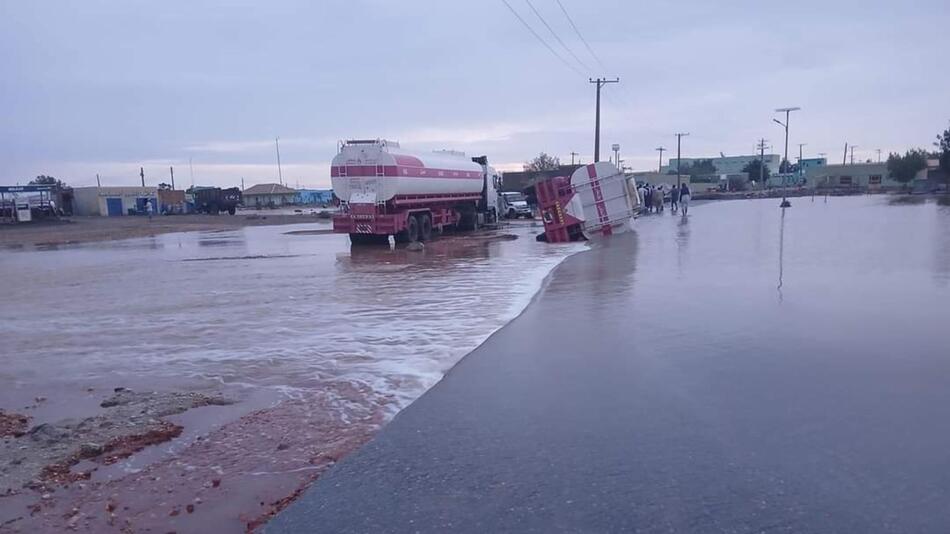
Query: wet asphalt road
726, 373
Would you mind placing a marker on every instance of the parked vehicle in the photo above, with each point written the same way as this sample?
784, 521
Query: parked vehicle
384, 192
214, 200
512, 204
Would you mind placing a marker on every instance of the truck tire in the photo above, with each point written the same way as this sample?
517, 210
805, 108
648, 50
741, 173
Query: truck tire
232, 210
512, 214
468, 218
425, 227
412, 229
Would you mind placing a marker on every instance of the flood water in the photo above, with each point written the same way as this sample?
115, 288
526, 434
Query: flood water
322, 343
743, 369
265, 307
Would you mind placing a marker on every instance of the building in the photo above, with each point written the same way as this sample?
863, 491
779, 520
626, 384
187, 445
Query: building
857, 177
269, 196
318, 197
113, 201
171, 201
726, 164
810, 164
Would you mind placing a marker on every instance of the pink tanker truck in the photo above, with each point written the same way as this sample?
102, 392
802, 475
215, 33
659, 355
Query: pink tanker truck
385, 191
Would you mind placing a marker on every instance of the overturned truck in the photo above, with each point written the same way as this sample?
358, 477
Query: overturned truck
597, 200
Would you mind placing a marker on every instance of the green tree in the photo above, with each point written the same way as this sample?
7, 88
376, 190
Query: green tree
904, 168
943, 146
543, 162
787, 167
702, 167
46, 180
757, 171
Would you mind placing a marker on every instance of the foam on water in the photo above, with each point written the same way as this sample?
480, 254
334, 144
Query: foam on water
294, 313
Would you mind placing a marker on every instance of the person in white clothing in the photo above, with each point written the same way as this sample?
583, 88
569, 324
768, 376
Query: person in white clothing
684, 198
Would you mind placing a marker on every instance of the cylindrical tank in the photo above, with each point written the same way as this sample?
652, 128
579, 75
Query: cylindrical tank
376, 171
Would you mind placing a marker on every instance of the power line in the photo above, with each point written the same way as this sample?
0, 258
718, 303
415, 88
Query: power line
555, 35
538, 37
578, 32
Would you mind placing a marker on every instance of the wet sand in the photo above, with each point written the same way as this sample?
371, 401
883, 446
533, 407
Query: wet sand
80, 229
740, 370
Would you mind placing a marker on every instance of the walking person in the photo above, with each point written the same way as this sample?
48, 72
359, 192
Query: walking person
674, 198
684, 197
648, 198
149, 208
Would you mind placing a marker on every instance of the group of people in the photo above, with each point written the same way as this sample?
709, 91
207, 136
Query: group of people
653, 197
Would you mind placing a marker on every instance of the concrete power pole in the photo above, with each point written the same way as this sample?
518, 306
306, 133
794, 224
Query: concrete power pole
761, 148
171, 171
600, 83
616, 149
852, 153
280, 175
800, 171
660, 150
679, 138
142, 175
572, 157
788, 111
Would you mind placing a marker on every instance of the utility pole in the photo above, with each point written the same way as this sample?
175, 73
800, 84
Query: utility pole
142, 174
242, 184
191, 171
171, 171
600, 83
852, 153
761, 148
616, 148
572, 157
844, 159
679, 138
878, 155
785, 203
280, 175
98, 183
800, 160
660, 149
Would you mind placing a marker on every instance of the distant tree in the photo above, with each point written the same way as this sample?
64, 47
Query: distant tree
787, 167
943, 153
701, 167
543, 162
904, 168
165, 186
46, 180
757, 171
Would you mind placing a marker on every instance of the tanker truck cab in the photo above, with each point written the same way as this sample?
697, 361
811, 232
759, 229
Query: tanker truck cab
385, 191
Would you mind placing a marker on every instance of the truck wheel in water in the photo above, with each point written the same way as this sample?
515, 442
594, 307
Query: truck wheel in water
412, 229
425, 227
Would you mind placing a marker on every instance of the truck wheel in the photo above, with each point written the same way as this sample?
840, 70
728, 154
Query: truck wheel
425, 227
468, 218
412, 229
232, 210
512, 214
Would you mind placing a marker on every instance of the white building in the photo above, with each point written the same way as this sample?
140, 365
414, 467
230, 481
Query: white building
727, 164
113, 201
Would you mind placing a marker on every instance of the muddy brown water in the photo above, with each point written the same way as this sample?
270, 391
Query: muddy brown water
322, 343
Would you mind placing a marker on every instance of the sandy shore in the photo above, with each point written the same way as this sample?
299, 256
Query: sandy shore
70, 230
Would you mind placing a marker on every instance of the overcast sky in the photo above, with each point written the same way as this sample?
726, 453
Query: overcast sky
108, 86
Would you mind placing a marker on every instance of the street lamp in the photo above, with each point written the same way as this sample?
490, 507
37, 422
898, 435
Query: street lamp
785, 203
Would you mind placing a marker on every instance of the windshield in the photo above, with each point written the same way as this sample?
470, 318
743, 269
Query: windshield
513, 197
